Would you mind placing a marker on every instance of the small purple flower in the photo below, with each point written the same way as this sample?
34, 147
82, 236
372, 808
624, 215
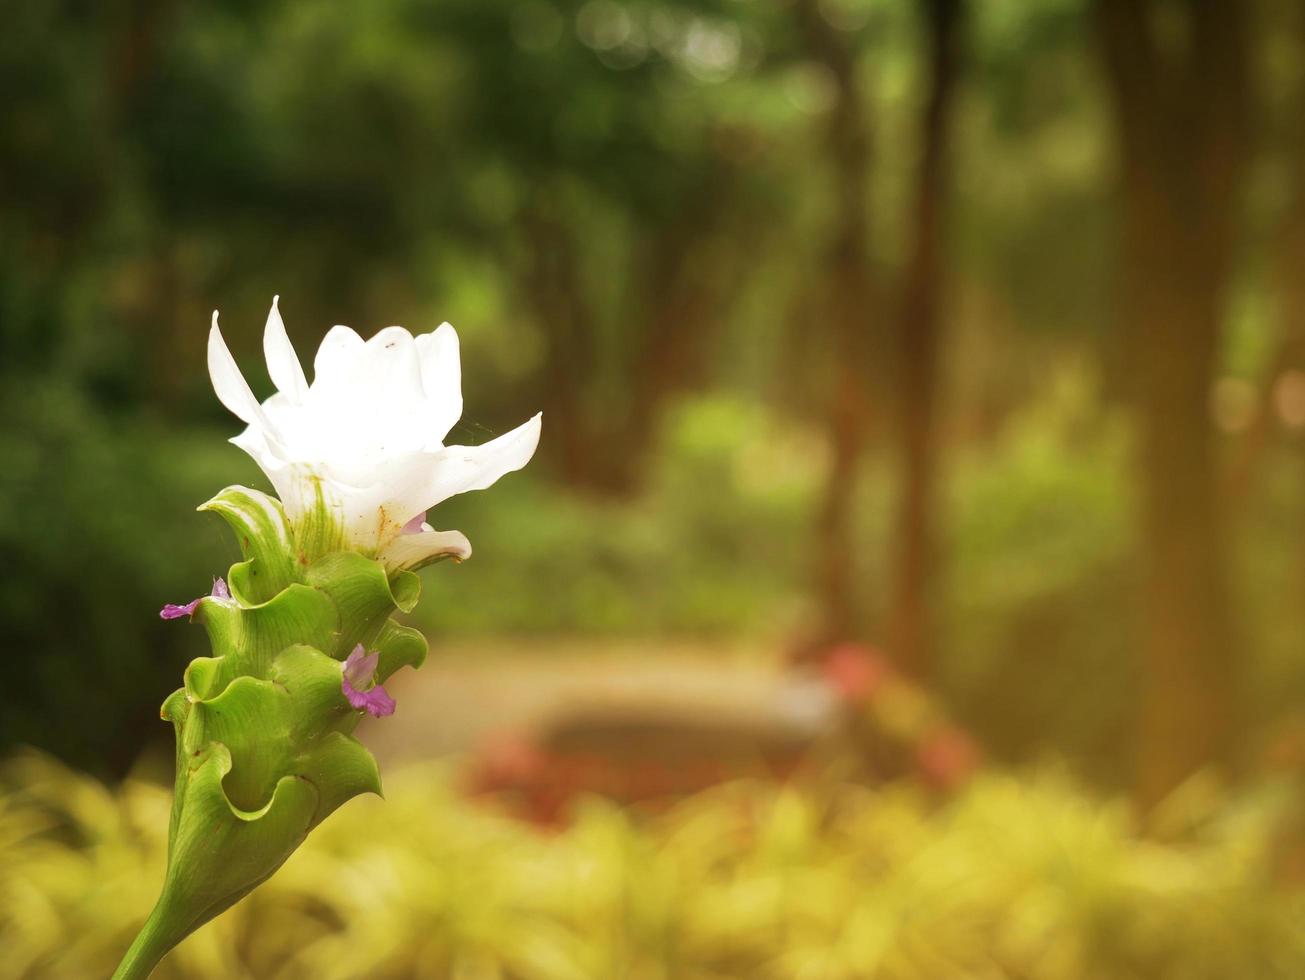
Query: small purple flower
359, 671
172, 611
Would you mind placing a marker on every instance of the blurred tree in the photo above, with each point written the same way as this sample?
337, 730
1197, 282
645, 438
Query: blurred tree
918, 328
848, 311
619, 203
1179, 82
604, 405
607, 134
156, 157
1281, 411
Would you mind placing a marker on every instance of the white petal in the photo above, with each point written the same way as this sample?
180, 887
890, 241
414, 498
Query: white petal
441, 377
229, 384
484, 464
436, 476
415, 550
280, 472
336, 355
282, 362
412, 483
364, 438
389, 367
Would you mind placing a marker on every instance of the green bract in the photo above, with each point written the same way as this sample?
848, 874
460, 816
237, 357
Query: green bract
264, 744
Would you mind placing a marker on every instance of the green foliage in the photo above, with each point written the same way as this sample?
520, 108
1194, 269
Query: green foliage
1040, 529
669, 562
97, 532
1013, 878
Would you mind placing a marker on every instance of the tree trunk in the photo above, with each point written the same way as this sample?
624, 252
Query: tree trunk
551, 280
1290, 263
848, 317
601, 440
911, 621
1180, 115
1286, 283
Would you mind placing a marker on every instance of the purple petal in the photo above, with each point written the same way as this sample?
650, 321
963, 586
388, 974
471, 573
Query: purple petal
359, 670
414, 525
173, 611
375, 702
359, 667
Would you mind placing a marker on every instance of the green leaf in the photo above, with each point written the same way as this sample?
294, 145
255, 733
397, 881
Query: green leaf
263, 730
399, 646
311, 679
176, 709
220, 852
341, 768
273, 727
363, 595
406, 588
261, 528
248, 637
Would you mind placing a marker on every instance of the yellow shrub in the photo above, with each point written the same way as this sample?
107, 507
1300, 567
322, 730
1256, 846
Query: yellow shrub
1015, 878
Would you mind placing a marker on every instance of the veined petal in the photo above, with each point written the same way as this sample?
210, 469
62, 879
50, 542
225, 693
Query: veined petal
228, 383
282, 363
412, 551
441, 377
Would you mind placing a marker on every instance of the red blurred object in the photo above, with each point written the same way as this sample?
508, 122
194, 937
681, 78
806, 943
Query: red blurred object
647, 760
650, 755
857, 672
947, 758
506, 761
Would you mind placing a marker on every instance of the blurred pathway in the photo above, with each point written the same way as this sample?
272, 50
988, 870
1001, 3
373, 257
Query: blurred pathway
471, 689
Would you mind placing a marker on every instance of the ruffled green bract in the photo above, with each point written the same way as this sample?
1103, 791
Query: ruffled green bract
265, 749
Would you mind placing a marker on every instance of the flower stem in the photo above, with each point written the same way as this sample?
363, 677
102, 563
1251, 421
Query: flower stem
152, 943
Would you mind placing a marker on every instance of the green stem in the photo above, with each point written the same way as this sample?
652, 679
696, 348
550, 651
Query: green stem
152, 943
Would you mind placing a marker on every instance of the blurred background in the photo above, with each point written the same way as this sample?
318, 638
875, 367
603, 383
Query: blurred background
911, 580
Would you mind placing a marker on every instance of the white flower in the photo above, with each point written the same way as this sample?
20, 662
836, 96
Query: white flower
359, 453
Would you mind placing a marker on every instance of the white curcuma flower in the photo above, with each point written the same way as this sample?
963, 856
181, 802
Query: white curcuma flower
359, 453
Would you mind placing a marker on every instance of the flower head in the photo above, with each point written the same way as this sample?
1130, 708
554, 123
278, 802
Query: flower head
173, 611
361, 448
356, 683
